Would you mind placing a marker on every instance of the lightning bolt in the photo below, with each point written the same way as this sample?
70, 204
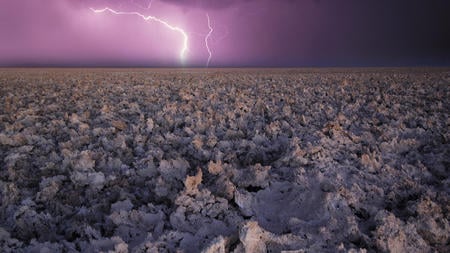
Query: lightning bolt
207, 38
184, 47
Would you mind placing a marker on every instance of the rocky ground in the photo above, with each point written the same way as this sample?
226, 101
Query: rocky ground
224, 160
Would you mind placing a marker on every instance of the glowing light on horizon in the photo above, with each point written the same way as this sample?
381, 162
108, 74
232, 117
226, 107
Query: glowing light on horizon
206, 40
184, 46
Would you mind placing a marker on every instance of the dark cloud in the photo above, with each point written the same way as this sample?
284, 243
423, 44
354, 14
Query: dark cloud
197, 4
207, 4
221, 4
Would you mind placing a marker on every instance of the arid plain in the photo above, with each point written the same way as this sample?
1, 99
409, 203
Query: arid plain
224, 160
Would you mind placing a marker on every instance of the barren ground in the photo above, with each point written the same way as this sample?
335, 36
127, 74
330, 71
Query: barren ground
224, 160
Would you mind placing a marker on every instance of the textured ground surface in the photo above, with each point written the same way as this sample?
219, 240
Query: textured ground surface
224, 160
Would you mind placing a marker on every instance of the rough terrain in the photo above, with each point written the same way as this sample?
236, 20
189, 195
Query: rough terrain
139, 160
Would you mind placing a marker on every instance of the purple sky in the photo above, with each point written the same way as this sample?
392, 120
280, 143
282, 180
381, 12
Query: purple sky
246, 33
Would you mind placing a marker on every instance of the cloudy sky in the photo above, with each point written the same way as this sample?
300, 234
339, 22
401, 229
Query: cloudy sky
279, 33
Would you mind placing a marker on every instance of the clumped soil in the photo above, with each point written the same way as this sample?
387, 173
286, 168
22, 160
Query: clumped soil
135, 160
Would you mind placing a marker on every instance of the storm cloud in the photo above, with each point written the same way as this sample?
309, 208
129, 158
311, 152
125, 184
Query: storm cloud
246, 33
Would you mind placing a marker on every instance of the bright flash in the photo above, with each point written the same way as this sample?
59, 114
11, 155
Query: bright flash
184, 46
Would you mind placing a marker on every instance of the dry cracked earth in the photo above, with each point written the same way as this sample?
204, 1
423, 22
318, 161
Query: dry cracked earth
138, 160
